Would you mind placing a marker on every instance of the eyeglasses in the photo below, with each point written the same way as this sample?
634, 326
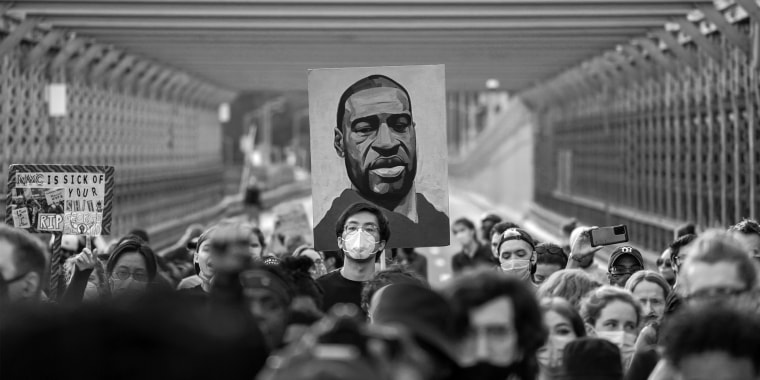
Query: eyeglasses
123, 274
551, 249
369, 228
621, 271
661, 262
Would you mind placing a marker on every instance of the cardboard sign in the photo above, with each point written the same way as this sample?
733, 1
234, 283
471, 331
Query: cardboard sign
68, 199
378, 136
21, 218
54, 196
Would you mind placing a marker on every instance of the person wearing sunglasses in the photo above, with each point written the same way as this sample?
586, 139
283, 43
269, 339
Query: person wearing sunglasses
551, 258
22, 265
624, 262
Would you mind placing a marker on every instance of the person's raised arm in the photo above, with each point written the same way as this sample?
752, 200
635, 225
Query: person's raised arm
581, 250
84, 263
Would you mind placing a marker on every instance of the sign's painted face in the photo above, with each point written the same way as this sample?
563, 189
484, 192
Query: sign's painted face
379, 143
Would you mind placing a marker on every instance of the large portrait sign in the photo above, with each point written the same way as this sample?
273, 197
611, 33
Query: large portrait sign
378, 135
62, 199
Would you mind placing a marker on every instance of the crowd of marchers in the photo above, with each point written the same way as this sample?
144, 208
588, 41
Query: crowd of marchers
220, 304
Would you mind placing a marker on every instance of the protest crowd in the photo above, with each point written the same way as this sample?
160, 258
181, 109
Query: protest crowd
221, 304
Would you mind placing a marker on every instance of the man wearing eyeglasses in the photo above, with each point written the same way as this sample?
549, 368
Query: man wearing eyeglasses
717, 269
361, 231
22, 265
624, 262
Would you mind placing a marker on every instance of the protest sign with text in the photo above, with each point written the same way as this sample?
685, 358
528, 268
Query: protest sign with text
68, 199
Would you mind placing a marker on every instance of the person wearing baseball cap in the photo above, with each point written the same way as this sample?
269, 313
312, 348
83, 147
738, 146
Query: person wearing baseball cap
624, 262
517, 254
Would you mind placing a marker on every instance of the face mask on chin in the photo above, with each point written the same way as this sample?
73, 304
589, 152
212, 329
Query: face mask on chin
359, 245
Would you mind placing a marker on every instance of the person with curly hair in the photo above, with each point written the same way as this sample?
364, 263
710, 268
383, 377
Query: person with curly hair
502, 325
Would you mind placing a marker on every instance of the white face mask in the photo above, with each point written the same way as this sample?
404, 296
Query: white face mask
517, 267
550, 355
359, 245
625, 341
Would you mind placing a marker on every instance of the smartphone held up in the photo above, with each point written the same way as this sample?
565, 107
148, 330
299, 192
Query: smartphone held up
601, 236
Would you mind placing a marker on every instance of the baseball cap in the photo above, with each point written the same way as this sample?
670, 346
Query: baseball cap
517, 234
626, 250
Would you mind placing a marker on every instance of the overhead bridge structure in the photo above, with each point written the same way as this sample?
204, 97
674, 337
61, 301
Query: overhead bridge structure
642, 112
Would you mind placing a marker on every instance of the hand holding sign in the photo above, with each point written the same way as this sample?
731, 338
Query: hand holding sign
85, 260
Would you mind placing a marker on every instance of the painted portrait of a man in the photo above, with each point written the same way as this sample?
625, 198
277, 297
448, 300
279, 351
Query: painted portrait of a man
375, 138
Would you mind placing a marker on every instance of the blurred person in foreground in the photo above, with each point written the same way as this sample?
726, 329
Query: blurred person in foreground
717, 268
342, 346
569, 284
582, 255
473, 254
505, 326
428, 318
591, 358
517, 255
268, 293
23, 265
362, 231
708, 342
254, 246
565, 325
550, 258
612, 313
158, 336
384, 278
308, 297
